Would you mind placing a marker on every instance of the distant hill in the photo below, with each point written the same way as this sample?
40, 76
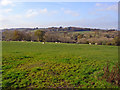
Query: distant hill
67, 29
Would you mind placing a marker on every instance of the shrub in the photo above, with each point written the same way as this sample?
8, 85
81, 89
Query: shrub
83, 41
108, 43
104, 43
99, 43
112, 76
117, 40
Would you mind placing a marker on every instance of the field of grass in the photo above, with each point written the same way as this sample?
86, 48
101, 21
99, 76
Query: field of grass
51, 65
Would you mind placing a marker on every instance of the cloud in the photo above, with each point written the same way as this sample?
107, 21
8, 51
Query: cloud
62, 9
13, 18
12, 21
6, 2
54, 12
43, 10
106, 7
97, 4
100, 22
1, 18
20, 21
33, 12
113, 7
2, 11
70, 12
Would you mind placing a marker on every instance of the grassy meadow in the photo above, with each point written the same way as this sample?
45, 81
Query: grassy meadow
51, 65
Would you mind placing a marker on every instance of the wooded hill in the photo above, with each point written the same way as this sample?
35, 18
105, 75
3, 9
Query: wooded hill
68, 29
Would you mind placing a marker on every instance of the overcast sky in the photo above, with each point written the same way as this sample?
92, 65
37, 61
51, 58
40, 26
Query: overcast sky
49, 14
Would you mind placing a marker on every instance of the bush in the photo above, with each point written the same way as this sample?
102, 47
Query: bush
108, 43
83, 41
117, 41
104, 43
112, 76
99, 43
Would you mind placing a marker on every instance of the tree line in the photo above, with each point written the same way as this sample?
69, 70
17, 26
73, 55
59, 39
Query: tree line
99, 37
16, 35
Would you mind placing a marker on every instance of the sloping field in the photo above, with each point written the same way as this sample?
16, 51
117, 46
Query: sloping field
37, 65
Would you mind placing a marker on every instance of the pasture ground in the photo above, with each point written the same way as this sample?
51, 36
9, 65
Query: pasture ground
37, 65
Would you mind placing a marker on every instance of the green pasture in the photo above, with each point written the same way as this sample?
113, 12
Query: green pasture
56, 65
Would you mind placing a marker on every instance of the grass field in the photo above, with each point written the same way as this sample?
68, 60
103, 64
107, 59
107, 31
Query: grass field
37, 65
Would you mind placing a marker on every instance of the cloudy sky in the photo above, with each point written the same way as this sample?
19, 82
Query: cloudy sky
48, 14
